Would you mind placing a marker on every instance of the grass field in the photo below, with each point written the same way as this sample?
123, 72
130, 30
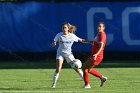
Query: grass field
120, 80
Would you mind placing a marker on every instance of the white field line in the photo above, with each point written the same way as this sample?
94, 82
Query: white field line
35, 80
55, 91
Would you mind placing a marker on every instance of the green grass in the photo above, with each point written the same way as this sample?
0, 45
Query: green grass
120, 80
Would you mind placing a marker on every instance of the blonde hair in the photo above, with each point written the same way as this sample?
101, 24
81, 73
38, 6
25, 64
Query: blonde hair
72, 28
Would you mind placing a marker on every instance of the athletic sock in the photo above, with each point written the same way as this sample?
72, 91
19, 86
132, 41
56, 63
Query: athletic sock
80, 73
95, 73
86, 79
55, 77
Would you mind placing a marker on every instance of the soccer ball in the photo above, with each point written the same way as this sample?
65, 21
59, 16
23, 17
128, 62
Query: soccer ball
76, 63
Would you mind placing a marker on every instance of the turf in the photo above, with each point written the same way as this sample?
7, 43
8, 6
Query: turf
120, 80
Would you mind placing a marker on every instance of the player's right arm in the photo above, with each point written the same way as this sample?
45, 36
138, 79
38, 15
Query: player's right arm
85, 41
56, 39
77, 39
54, 43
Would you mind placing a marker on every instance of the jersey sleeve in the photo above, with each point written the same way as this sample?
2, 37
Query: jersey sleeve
76, 38
56, 38
102, 37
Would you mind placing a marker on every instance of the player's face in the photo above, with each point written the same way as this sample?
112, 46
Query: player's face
101, 27
65, 29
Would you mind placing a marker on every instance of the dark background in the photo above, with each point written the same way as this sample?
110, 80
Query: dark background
109, 57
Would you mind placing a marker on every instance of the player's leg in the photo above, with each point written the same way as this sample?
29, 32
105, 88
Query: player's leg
69, 58
103, 80
88, 65
80, 72
59, 62
96, 73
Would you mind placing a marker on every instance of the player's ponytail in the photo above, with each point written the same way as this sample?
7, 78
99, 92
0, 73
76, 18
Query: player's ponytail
72, 29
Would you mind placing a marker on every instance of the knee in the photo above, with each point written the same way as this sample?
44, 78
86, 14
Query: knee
85, 70
57, 70
89, 70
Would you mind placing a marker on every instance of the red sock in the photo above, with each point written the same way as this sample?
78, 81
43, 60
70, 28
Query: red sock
95, 73
86, 80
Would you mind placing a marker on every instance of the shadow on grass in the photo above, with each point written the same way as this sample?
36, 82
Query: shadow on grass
52, 65
11, 88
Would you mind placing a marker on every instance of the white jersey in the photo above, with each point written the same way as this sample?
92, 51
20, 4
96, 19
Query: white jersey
65, 42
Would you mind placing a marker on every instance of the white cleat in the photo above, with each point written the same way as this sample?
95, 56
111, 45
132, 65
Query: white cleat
103, 81
87, 86
53, 86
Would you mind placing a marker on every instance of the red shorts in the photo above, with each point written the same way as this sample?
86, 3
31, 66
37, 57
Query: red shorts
95, 62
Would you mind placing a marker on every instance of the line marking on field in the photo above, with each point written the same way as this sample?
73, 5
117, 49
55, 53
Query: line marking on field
55, 91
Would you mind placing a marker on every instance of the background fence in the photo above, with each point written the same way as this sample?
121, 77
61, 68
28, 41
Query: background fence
28, 28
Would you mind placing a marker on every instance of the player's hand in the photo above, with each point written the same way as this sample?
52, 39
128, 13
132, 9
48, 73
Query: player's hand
86, 41
81, 40
95, 56
53, 43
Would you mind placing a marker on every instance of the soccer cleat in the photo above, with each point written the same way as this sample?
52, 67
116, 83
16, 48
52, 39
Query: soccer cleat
87, 86
103, 81
53, 86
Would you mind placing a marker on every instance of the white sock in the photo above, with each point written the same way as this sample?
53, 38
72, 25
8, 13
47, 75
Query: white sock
80, 73
55, 78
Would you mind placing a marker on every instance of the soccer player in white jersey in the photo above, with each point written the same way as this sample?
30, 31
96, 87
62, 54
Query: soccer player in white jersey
66, 38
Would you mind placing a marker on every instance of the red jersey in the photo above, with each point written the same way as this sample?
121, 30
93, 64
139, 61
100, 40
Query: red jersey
101, 37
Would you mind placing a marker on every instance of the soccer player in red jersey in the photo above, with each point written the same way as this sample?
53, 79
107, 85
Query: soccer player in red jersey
96, 56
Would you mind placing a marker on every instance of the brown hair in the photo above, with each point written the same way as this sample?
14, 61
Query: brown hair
101, 22
65, 23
